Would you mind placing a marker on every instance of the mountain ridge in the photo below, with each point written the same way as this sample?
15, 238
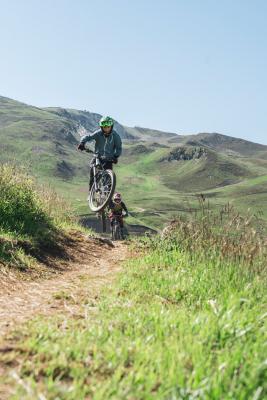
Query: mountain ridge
89, 120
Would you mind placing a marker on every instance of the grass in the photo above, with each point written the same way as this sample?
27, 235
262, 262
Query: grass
31, 217
21, 209
180, 323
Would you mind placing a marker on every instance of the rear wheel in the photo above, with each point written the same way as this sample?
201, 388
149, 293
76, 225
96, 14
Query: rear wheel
102, 190
116, 231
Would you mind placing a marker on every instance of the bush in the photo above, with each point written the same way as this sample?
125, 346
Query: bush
26, 209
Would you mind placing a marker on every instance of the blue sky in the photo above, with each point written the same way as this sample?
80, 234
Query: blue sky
183, 66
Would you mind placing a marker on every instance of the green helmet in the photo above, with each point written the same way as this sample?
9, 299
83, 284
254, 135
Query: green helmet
106, 121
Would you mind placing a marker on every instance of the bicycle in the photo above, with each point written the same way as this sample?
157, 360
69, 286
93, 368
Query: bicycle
116, 230
103, 187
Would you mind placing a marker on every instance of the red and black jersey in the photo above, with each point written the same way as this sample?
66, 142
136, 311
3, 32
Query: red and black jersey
117, 208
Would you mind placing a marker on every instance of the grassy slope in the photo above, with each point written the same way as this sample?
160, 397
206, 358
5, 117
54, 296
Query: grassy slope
33, 220
162, 189
150, 135
36, 137
154, 190
248, 194
177, 325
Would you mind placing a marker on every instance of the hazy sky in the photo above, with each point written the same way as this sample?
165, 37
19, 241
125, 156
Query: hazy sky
183, 66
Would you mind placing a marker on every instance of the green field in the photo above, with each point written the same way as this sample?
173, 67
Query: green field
155, 189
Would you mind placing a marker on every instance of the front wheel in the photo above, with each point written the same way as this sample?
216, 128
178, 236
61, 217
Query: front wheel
116, 232
102, 190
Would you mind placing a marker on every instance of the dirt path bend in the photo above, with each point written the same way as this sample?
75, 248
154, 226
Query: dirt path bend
91, 259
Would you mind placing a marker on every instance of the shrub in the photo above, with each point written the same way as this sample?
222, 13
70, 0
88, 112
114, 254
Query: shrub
25, 208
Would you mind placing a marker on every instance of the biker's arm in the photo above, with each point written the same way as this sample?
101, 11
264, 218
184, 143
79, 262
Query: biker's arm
124, 207
88, 138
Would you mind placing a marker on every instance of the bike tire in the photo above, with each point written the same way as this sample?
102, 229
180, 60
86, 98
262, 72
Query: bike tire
102, 203
117, 232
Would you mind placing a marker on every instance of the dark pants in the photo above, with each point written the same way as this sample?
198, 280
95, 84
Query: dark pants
105, 164
119, 217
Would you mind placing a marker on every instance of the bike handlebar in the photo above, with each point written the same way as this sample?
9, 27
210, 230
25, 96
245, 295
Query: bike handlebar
97, 155
89, 151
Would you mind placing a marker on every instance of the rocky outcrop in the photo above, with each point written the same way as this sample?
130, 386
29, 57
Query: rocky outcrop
88, 121
186, 153
138, 149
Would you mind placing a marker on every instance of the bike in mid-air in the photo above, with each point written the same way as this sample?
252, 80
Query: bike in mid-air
103, 187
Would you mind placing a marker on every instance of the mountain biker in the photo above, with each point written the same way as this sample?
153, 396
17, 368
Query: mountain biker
107, 144
116, 207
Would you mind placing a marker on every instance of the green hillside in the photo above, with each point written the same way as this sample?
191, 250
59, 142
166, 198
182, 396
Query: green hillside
159, 189
160, 174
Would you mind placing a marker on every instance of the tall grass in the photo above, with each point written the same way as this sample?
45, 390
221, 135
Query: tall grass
30, 215
25, 208
21, 208
224, 234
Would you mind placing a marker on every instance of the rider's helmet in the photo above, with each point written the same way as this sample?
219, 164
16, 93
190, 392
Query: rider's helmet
117, 198
106, 121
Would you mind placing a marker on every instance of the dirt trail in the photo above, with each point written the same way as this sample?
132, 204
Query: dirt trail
92, 263
96, 260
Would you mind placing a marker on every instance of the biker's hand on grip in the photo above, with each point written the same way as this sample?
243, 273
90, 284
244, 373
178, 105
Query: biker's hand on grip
81, 147
115, 160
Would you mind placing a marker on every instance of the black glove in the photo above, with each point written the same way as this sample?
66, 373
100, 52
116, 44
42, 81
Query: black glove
81, 146
115, 160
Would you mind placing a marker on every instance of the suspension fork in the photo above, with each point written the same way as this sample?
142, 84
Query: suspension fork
95, 181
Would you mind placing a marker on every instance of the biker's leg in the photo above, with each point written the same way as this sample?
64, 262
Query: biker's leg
107, 165
111, 219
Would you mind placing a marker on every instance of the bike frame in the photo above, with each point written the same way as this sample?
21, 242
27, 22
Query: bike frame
98, 172
116, 224
96, 166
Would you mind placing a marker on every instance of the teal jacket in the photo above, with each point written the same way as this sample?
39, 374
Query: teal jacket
108, 147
